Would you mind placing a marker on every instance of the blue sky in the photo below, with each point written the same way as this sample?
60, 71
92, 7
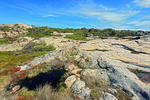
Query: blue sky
117, 14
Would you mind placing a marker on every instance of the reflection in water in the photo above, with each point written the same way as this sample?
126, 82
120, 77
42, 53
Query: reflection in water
145, 77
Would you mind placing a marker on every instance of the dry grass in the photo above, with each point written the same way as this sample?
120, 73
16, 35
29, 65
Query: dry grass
99, 86
96, 85
47, 93
121, 95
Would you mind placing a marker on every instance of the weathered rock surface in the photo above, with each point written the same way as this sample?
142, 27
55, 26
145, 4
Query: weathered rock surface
80, 89
115, 61
108, 96
17, 45
98, 73
70, 80
13, 30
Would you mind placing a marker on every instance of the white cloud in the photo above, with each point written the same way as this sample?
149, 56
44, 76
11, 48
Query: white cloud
105, 8
147, 16
104, 13
49, 15
111, 16
143, 3
140, 23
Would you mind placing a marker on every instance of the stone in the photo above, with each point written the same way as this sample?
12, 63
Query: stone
113, 91
113, 60
85, 93
76, 71
14, 30
108, 96
97, 73
16, 88
78, 86
70, 80
81, 90
70, 67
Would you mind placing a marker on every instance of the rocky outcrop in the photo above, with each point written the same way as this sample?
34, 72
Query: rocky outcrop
114, 61
108, 96
12, 30
16, 45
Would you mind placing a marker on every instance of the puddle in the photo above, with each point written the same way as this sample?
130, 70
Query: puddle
145, 77
53, 78
140, 65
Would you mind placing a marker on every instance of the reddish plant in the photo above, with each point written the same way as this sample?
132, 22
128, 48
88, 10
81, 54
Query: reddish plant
21, 98
18, 76
16, 69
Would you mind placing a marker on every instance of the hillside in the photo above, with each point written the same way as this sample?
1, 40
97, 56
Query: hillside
12, 30
75, 64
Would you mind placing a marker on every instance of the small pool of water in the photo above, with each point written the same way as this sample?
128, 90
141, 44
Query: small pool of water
53, 78
145, 77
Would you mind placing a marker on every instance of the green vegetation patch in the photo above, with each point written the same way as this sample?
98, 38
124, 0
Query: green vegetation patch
76, 37
3, 41
9, 60
82, 33
38, 32
7, 40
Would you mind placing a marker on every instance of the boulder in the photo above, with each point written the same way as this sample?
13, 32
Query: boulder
16, 88
70, 80
70, 67
80, 89
97, 73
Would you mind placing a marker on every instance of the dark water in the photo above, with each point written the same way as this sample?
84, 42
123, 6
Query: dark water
145, 77
53, 78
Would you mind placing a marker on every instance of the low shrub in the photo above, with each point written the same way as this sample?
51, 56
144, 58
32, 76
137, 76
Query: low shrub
76, 37
38, 32
96, 85
7, 40
42, 46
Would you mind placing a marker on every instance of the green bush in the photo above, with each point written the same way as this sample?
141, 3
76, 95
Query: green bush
76, 37
38, 32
